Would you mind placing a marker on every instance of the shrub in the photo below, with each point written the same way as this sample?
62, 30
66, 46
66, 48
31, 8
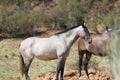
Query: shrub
17, 24
112, 19
17, 16
66, 13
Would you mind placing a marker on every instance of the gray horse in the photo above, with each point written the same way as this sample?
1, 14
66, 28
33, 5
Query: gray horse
54, 47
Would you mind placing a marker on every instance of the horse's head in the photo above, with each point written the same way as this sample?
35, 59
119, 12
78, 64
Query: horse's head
85, 34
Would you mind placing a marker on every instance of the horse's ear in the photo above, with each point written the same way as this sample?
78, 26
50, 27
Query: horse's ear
107, 28
84, 23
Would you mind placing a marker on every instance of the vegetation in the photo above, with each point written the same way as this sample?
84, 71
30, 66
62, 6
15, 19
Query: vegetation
19, 17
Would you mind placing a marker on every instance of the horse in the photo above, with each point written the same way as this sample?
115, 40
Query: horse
56, 46
97, 47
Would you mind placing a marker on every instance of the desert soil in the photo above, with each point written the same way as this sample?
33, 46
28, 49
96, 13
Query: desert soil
73, 75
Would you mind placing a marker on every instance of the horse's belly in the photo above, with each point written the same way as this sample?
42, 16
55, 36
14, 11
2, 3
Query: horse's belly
46, 55
45, 52
98, 50
43, 57
99, 53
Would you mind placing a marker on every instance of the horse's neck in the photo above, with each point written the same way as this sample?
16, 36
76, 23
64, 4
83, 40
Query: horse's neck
70, 37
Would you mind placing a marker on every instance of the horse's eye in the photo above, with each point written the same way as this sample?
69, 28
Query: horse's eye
86, 37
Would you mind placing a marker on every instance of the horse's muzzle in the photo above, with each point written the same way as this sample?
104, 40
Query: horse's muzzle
88, 39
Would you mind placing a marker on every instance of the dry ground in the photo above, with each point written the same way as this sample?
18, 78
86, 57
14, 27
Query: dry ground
73, 75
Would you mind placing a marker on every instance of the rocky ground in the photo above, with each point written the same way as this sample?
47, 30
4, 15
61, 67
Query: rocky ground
73, 75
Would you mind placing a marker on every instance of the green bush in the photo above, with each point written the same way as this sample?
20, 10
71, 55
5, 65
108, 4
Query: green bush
112, 20
17, 18
66, 13
17, 24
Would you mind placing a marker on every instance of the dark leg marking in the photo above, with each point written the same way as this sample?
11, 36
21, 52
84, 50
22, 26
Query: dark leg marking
60, 69
88, 56
81, 53
26, 69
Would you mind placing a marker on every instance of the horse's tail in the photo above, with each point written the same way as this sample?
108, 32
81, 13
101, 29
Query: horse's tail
21, 65
21, 62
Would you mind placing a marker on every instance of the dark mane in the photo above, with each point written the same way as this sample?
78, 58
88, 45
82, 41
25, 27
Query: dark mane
67, 30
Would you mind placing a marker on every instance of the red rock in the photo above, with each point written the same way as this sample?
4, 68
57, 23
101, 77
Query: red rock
47, 78
92, 78
97, 78
74, 78
83, 77
72, 75
41, 75
92, 71
69, 73
54, 78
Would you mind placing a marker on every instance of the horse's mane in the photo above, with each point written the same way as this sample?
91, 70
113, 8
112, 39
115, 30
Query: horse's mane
68, 29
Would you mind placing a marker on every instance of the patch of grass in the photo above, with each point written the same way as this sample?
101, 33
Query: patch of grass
72, 60
99, 63
9, 59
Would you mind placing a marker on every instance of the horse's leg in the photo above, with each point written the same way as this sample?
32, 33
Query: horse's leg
57, 71
81, 53
60, 68
26, 64
88, 56
26, 68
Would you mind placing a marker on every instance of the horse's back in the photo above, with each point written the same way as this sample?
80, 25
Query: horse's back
42, 48
34, 41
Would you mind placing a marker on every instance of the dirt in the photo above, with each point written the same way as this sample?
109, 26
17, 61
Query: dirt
73, 75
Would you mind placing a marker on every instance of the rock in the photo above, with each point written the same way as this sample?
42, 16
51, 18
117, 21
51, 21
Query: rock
91, 75
47, 78
72, 75
97, 78
54, 78
83, 77
69, 73
74, 78
92, 78
92, 71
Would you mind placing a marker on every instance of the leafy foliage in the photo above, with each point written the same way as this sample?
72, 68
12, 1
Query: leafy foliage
17, 15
